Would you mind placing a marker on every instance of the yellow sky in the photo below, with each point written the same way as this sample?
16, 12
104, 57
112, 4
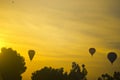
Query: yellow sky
62, 31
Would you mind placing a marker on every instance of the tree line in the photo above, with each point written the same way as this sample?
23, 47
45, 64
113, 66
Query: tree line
12, 66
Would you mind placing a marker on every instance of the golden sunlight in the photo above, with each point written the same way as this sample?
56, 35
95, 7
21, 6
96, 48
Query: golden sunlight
2, 43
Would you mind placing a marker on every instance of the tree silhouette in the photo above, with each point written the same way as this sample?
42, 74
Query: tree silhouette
115, 76
49, 73
12, 65
76, 73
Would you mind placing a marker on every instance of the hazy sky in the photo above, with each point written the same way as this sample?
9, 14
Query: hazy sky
62, 31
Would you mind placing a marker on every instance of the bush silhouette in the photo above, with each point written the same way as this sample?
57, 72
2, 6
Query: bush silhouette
12, 65
49, 73
115, 76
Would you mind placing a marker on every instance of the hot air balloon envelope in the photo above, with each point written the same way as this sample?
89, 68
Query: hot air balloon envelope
31, 54
92, 51
112, 56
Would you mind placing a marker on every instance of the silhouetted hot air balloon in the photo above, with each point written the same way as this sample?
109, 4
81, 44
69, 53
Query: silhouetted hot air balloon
31, 54
112, 56
92, 51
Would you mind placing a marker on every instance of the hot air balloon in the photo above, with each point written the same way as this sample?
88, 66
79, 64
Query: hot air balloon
92, 51
31, 54
112, 56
